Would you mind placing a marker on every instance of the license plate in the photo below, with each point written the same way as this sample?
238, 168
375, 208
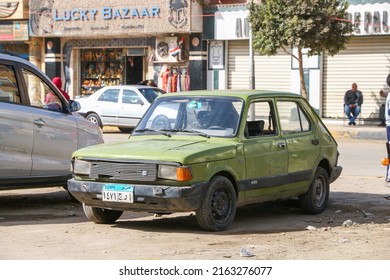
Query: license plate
118, 193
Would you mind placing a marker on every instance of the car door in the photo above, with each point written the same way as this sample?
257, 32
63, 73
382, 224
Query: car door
131, 108
16, 130
54, 129
266, 155
301, 139
107, 104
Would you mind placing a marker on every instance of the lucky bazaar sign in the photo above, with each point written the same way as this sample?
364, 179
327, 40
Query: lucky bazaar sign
61, 18
106, 13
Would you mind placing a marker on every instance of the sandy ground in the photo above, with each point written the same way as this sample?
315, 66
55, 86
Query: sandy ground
45, 224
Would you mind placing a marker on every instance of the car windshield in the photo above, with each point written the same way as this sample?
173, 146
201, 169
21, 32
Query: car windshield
202, 116
151, 94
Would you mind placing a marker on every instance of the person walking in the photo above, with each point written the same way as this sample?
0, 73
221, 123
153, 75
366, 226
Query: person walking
353, 100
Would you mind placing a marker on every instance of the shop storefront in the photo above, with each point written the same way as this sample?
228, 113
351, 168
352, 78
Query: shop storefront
14, 27
121, 43
364, 61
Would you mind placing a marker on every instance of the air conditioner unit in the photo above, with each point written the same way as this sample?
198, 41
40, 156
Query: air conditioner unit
164, 47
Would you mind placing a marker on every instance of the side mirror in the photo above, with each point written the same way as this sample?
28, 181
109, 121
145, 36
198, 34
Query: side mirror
74, 106
139, 101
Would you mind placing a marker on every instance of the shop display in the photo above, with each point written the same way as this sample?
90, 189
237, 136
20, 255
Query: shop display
101, 67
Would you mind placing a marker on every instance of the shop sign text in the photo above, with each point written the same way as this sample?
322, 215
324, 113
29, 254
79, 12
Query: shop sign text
106, 13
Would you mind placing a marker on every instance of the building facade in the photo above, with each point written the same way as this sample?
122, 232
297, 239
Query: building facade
189, 45
14, 36
366, 59
96, 43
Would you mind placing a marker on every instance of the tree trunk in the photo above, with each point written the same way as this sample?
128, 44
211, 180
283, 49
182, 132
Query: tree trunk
301, 76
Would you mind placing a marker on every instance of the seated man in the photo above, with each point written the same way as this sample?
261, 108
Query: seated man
353, 100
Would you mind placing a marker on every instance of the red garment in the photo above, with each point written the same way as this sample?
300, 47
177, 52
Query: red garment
57, 81
174, 83
165, 76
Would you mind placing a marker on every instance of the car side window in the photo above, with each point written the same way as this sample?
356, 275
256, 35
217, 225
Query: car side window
130, 97
260, 119
149, 94
110, 95
40, 93
292, 118
9, 91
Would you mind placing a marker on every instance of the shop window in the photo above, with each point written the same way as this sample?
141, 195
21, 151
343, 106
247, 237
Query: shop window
101, 67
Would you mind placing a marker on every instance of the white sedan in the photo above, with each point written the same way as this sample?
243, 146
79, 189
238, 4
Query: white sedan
121, 106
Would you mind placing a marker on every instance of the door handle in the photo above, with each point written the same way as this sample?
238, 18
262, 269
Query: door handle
282, 145
315, 142
39, 122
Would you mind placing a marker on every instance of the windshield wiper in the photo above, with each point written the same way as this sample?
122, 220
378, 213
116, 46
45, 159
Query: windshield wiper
153, 130
192, 131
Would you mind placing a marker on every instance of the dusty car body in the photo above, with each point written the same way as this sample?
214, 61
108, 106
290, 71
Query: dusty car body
37, 138
219, 151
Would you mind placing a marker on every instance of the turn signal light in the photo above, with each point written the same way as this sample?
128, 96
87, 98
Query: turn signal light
385, 161
183, 173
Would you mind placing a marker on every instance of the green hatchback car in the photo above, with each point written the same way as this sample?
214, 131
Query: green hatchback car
210, 152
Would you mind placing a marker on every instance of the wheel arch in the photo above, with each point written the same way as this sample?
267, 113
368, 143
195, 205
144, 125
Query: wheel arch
324, 163
230, 177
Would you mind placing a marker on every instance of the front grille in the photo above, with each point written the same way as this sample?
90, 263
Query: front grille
124, 171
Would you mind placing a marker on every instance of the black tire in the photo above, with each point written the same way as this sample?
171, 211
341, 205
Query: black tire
218, 207
316, 198
160, 122
101, 215
94, 118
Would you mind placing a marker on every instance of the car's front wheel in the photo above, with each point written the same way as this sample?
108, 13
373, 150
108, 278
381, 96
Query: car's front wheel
94, 118
316, 198
218, 207
101, 215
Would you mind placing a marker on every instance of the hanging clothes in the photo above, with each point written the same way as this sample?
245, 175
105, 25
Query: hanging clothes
164, 76
174, 81
178, 80
169, 81
187, 84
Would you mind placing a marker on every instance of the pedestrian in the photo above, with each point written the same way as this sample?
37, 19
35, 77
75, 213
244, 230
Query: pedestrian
353, 100
385, 93
58, 82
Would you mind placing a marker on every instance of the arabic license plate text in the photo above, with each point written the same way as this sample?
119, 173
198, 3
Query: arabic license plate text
118, 193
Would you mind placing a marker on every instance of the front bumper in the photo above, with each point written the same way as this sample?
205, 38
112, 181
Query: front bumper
147, 198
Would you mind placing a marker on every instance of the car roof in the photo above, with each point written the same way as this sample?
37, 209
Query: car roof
128, 86
16, 58
235, 93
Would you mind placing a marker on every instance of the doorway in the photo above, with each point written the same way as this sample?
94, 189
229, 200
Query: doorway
134, 69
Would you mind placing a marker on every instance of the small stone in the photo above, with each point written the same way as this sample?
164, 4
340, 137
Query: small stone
245, 252
344, 240
347, 223
311, 228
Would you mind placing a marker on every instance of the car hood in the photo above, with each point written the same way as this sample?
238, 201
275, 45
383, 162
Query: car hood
185, 151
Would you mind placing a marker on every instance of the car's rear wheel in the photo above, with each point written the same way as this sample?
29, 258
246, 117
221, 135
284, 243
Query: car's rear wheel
316, 198
94, 118
101, 215
218, 207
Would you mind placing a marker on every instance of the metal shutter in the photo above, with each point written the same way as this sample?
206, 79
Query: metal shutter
366, 61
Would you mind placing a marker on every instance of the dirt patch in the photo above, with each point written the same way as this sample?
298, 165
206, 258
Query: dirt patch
46, 224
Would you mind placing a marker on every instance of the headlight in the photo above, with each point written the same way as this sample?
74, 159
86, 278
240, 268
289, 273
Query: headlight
179, 173
81, 167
